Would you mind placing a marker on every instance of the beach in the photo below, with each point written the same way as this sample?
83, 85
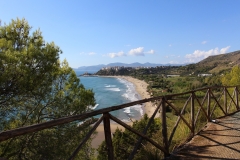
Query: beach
141, 89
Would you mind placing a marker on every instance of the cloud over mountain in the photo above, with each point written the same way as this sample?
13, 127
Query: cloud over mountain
198, 55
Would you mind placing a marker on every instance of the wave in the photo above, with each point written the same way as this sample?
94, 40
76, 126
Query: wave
93, 107
127, 110
113, 89
109, 86
131, 95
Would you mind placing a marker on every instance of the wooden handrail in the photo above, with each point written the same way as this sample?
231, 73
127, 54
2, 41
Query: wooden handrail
165, 100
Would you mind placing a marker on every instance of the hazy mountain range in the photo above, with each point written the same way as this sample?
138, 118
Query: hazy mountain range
211, 64
136, 64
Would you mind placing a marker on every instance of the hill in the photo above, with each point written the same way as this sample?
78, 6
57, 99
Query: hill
220, 63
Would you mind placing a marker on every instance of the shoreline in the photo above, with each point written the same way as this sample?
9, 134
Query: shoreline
148, 108
141, 88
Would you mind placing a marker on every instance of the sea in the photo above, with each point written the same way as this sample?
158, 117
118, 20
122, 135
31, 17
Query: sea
111, 91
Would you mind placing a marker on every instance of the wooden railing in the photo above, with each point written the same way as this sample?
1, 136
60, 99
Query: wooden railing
208, 103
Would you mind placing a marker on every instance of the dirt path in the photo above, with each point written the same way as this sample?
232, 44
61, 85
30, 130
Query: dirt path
219, 140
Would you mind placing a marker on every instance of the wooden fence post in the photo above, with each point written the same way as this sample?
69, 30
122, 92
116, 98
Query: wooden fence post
164, 128
108, 135
225, 100
237, 101
192, 114
208, 105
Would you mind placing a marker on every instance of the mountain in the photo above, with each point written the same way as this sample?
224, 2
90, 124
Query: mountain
136, 64
90, 68
219, 63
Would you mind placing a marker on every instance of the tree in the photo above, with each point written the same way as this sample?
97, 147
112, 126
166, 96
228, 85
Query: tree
36, 87
124, 141
232, 78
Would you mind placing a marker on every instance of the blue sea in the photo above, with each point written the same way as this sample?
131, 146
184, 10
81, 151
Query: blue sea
111, 91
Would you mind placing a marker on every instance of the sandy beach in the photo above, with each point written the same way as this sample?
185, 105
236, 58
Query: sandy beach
141, 88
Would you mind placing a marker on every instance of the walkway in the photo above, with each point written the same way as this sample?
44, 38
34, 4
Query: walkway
220, 140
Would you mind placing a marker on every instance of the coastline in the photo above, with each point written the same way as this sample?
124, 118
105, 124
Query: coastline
141, 89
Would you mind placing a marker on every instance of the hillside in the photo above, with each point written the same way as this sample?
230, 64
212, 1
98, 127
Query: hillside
219, 63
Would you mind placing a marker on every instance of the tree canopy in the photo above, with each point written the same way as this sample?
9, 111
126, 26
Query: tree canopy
232, 78
36, 87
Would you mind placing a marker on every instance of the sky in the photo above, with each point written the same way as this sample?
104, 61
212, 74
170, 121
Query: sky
92, 32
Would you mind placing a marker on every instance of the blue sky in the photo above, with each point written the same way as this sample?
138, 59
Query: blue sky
92, 32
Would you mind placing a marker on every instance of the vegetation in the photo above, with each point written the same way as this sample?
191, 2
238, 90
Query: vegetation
232, 78
124, 141
34, 88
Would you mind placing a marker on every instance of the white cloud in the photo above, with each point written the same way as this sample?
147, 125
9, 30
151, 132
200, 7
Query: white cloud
91, 53
137, 51
119, 54
198, 55
204, 42
224, 50
150, 52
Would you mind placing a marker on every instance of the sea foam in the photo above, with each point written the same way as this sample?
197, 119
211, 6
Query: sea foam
131, 95
113, 89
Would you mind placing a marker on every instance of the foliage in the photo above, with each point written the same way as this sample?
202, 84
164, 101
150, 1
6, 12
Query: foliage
232, 78
124, 141
34, 88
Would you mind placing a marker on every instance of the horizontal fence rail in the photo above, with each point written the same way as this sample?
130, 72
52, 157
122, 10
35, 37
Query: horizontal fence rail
204, 104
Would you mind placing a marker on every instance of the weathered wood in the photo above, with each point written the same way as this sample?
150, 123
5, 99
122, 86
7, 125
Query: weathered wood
217, 103
201, 108
225, 99
232, 101
208, 106
144, 132
86, 138
178, 120
164, 128
237, 101
37, 127
139, 134
184, 120
108, 135
192, 114
231, 97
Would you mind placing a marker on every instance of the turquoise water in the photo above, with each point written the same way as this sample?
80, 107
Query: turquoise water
114, 91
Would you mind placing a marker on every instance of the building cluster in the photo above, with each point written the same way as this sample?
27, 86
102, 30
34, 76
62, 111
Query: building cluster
131, 68
204, 75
